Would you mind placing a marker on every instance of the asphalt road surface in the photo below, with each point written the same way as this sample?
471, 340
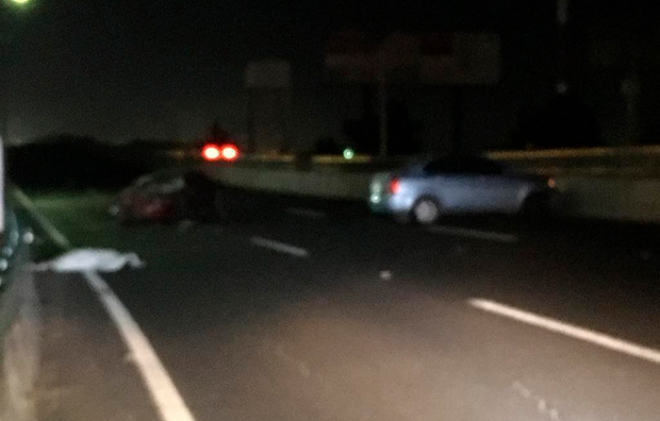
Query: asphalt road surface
301, 309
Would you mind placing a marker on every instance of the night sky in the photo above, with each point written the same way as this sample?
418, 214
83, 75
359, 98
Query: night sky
123, 69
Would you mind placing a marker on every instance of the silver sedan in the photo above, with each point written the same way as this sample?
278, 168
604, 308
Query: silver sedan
427, 190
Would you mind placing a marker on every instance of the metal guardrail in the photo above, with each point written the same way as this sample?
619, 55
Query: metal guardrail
626, 151
632, 161
622, 162
643, 152
636, 162
19, 326
13, 252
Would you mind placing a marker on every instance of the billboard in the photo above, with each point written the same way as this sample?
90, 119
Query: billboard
349, 58
461, 59
268, 74
269, 104
436, 59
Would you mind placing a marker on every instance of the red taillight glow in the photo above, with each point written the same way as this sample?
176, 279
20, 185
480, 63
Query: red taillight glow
211, 153
226, 152
394, 185
229, 152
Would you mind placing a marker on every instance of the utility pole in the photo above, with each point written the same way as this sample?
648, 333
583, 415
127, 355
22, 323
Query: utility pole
630, 90
382, 108
456, 119
562, 36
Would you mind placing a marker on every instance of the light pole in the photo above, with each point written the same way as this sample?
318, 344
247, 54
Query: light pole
383, 131
562, 20
3, 119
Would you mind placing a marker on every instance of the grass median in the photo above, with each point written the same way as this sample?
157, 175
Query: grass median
80, 216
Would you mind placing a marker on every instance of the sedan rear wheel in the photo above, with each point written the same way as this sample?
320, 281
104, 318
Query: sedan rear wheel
426, 211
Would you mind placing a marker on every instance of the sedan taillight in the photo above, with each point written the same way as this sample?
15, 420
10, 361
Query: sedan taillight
394, 186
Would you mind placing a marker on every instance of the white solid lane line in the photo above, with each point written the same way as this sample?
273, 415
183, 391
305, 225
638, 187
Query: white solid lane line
279, 247
166, 397
473, 233
576, 332
307, 213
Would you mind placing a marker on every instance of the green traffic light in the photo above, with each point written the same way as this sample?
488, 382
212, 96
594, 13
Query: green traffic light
348, 153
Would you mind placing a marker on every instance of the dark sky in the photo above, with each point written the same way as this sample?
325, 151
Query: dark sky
120, 69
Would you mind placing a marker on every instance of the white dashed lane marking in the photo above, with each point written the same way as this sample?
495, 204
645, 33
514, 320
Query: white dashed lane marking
541, 404
595, 338
279, 247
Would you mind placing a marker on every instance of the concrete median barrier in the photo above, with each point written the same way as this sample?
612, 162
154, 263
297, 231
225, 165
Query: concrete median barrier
596, 189
625, 199
290, 181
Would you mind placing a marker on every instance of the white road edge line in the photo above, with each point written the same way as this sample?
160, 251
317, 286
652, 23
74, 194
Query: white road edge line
164, 394
473, 233
586, 335
47, 226
307, 213
279, 247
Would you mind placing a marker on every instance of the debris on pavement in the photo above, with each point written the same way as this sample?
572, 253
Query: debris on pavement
88, 259
184, 225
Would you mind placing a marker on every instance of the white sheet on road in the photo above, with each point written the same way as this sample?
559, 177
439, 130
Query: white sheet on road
88, 259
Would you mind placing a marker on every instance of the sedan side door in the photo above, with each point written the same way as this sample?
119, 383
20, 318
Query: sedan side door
452, 186
496, 191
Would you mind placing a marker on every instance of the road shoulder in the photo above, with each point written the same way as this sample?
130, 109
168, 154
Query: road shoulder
86, 370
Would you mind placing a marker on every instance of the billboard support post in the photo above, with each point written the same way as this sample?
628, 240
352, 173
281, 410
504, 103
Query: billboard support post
562, 21
269, 105
457, 119
456, 61
382, 105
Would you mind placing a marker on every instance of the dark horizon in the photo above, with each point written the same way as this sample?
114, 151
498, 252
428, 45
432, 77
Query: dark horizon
133, 70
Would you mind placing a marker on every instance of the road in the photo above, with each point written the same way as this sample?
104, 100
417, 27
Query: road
302, 309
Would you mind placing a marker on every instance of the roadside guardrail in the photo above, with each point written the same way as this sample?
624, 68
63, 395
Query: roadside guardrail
630, 162
19, 324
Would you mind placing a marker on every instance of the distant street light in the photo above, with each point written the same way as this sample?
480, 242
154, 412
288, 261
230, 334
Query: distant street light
562, 21
20, 1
